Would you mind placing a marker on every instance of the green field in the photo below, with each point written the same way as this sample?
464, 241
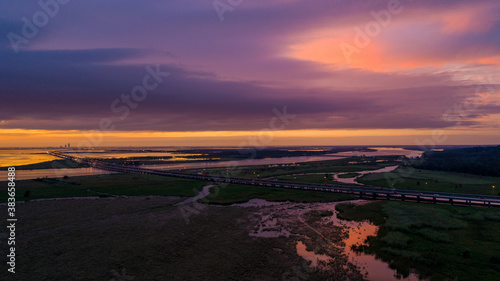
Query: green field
349, 175
146, 239
105, 185
313, 178
439, 241
230, 194
140, 185
352, 164
427, 180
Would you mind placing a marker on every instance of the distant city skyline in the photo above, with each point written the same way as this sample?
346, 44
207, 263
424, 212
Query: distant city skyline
167, 73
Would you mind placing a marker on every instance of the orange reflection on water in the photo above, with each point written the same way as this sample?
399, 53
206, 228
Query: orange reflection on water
310, 255
18, 157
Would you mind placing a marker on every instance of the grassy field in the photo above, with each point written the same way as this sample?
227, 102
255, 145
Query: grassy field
353, 164
146, 239
319, 178
349, 175
410, 178
138, 185
230, 194
105, 185
437, 240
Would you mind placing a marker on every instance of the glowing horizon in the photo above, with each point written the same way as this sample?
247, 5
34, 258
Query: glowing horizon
308, 137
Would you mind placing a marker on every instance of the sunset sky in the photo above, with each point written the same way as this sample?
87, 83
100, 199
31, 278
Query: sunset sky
345, 72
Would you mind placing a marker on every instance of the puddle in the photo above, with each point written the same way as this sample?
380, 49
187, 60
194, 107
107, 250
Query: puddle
288, 219
310, 255
352, 180
373, 268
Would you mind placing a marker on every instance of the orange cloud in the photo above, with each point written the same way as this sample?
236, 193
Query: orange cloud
342, 51
469, 18
407, 42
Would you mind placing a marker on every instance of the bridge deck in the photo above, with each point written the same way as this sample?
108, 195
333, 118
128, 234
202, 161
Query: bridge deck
366, 192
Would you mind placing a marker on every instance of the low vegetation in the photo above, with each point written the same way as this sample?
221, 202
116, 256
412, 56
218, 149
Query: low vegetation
147, 239
349, 175
104, 185
483, 161
439, 181
231, 194
313, 178
439, 241
352, 164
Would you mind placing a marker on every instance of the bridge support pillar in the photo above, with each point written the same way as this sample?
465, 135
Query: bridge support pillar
402, 197
418, 199
388, 196
451, 201
470, 203
374, 195
434, 200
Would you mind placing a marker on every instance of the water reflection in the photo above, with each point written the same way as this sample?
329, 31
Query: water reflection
286, 219
310, 255
19, 157
247, 162
51, 173
353, 180
383, 151
373, 268
54, 173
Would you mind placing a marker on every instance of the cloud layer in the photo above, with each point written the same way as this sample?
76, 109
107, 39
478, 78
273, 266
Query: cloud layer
230, 75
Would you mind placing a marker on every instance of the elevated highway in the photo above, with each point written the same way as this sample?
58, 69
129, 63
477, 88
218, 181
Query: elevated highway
366, 192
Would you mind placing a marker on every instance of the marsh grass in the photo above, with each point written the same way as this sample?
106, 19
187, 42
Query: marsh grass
396, 239
438, 181
104, 186
349, 175
91, 239
231, 194
328, 166
439, 241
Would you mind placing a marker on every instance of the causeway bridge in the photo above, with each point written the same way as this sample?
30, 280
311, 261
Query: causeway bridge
364, 192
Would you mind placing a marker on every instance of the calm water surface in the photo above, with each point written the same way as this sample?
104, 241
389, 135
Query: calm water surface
15, 157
